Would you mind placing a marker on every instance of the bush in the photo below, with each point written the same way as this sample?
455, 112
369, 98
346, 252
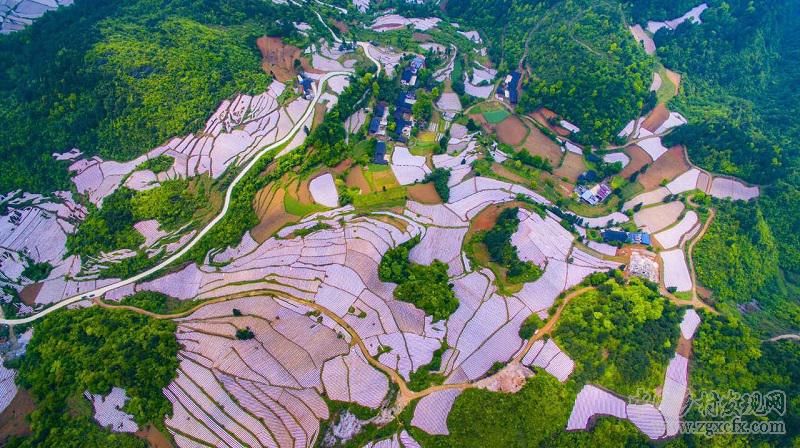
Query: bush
529, 327
440, 177
426, 287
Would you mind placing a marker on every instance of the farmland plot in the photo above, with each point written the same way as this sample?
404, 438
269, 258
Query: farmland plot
232, 135
653, 219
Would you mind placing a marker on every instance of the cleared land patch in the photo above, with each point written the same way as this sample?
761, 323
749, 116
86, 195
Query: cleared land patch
572, 167
278, 58
424, 193
639, 158
511, 131
539, 144
671, 164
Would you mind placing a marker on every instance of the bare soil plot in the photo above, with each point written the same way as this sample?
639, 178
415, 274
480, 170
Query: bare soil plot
355, 179
342, 167
304, 193
424, 193
512, 131
422, 37
28, 293
13, 419
271, 213
487, 218
543, 115
639, 158
703, 182
319, 115
278, 58
669, 166
572, 167
341, 26
539, 144
153, 437
656, 118
478, 118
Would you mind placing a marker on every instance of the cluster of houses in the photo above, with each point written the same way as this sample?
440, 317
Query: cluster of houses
403, 106
595, 194
509, 88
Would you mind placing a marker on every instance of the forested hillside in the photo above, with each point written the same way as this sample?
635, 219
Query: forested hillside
582, 62
116, 78
740, 69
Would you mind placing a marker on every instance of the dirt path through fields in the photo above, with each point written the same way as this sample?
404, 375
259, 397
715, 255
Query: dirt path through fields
551, 323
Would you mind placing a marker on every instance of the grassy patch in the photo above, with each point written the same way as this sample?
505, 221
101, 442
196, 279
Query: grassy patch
496, 116
294, 207
667, 90
389, 198
158, 303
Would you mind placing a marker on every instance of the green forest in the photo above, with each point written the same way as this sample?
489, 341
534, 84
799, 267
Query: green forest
427, 287
122, 78
621, 336
741, 102
95, 349
582, 62
110, 228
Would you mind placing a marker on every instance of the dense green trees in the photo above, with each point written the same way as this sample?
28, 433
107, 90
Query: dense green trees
582, 61
740, 69
498, 243
727, 357
621, 336
109, 228
157, 164
737, 258
124, 77
440, 177
157, 302
740, 260
427, 287
95, 349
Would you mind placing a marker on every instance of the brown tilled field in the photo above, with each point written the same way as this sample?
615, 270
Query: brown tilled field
303, 192
13, 420
656, 118
424, 193
28, 293
668, 166
639, 158
319, 115
341, 26
271, 213
487, 218
511, 131
572, 167
544, 114
539, 144
422, 37
478, 118
355, 179
278, 58
153, 437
